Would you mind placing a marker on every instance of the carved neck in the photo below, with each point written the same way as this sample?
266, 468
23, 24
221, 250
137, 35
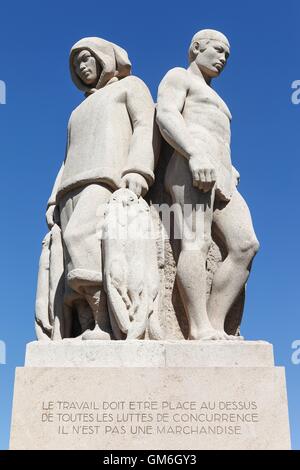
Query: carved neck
194, 69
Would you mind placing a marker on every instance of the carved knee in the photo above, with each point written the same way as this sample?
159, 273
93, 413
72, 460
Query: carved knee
245, 250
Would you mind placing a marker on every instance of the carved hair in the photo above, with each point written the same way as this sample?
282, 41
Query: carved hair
203, 38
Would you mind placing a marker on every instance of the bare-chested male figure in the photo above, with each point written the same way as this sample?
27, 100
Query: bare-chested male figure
195, 121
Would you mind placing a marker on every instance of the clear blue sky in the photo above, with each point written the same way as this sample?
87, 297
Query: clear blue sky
35, 38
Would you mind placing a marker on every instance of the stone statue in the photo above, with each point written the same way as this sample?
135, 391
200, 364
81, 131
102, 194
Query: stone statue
110, 145
121, 262
202, 182
103, 275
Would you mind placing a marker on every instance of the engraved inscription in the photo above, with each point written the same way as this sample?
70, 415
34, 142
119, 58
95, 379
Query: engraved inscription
150, 417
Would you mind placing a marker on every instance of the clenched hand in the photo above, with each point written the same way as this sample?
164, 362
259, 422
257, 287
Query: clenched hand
136, 183
203, 173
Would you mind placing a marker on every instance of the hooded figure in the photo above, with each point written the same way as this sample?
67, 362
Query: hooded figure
110, 145
113, 60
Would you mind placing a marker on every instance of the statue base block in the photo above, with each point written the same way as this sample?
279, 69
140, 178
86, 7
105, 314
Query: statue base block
174, 402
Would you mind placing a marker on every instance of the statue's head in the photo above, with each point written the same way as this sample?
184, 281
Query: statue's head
94, 62
210, 50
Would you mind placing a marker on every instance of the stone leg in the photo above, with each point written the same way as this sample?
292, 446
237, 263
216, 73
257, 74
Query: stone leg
96, 299
193, 211
81, 220
85, 316
233, 225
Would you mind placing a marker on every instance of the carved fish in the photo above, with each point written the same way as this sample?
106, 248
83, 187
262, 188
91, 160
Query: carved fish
131, 277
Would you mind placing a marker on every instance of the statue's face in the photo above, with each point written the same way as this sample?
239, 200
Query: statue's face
86, 67
212, 59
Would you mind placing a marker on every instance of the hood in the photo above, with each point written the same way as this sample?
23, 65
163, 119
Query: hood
113, 60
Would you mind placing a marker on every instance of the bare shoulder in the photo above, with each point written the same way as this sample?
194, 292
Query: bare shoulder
177, 76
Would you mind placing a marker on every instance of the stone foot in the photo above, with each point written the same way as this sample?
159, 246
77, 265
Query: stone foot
96, 334
206, 334
212, 334
233, 337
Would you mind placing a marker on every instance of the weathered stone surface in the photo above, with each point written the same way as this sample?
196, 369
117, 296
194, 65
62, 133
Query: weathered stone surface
172, 315
132, 353
201, 183
150, 408
112, 145
77, 294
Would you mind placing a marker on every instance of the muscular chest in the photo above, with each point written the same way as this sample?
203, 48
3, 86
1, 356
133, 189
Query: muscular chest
203, 100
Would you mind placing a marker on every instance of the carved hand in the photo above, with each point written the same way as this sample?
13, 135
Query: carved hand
135, 182
203, 173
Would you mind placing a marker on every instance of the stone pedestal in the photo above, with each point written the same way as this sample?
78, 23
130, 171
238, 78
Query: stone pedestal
150, 395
